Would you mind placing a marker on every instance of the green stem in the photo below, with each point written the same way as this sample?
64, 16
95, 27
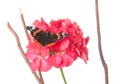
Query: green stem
63, 76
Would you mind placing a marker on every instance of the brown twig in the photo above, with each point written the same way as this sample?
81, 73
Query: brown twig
24, 25
41, 78
21, 50
105, 66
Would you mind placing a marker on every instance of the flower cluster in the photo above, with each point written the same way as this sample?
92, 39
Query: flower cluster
64, 52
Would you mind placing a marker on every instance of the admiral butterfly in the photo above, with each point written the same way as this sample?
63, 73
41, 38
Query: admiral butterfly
45, 38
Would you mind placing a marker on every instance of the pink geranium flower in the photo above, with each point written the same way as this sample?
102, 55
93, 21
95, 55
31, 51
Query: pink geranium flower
64, 52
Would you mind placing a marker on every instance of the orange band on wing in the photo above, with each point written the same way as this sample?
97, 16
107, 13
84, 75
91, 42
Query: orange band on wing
38, 42
48, 45
51, 44
58, 36
34, 34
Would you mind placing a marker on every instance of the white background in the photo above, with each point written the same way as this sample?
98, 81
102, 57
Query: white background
14, 70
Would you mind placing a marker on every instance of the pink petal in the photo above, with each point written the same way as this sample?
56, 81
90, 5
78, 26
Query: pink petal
56, 26
66, 23
66, 60
31, 38
33, 45
41, 24
78, 39
73, 55
75, 25
61, 45
70, 60
55, 60
36, 23
84, 54
44, 26
35, 65
45, 66
71, 52
53, 30
77, 28
44, 51
71, 31
35, 50
31, 56
86, 40
32, 52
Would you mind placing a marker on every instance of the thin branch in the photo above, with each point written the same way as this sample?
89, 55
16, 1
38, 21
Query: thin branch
24, 25
21, 50
105, 66
41, 78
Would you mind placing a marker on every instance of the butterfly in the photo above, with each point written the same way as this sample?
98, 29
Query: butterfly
45, 38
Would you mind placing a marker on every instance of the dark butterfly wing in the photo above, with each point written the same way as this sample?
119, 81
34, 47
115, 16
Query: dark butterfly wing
45, 38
